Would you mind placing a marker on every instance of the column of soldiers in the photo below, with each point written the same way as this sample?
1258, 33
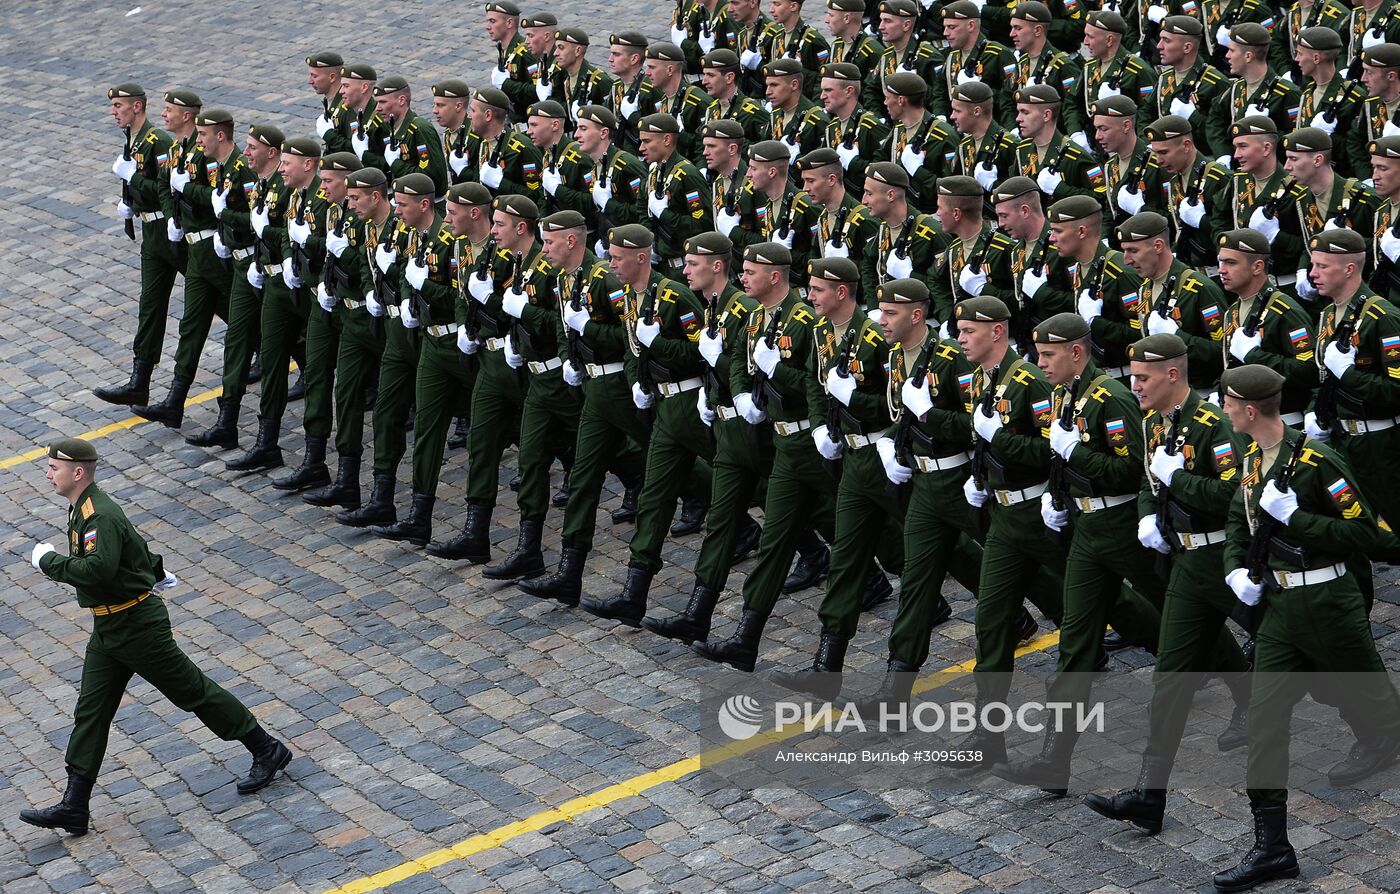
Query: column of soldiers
966, 253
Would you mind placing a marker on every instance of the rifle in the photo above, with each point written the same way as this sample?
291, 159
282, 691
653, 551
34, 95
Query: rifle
1193, 192
646, 313
177, 198
710, 382
784, 223
838, 228
335, 217
1133, 181
1326, 406
573, 348
979, 466
383, 290
1257, 558
130, 223
842, 367
1059, 497
905, 426
301, 264
1172, 445
471, 318
500, 56
259, 246
418, 247
1249, 326
762, 390
516, 332
921, 138
901, 245
1162, 306
1022, 321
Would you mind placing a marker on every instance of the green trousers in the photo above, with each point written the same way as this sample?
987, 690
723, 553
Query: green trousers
138, 641
739, 479
678, 458
608, 420
356, 366
243, 333
283, 323
498, 398
801, 495
442, 376
159, 267
398, 370
548, 429
322, 348
206, 295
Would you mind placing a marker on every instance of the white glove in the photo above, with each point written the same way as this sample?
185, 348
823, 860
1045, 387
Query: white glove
513, 360
220, 249
648, 332
543, 89
491, 176
725, 221
1192, 212
40, 550
179, 179
514, 301
551, 181
1048, 181
875, 315
359, 142
324, 298
499, 77
1390, 244
792, 148
1064, 440
393, 153
964, 77
706, 41
1150, 536
255, 279
1255, 109
744, 406
260, 220
218, 200
384, 257
1246, 590
1165, 465
576, 320
750, 59
1331, 225
1285, 75
573, 377
1338, 361
1264, 224
894, 471
298, 232
915, 397
840, 387
169, 582
1130, 201
601, 194
336, 244
1032, 282
1156, 13
678, 34
1304, 285
711, 347
172, 232
629, 107
458, 162
1106, 90
641, 399
702, 407
986, 425
600, 248
324, 125
828, 448
1160, 325
125, 168
1089, 307
1226, 161
372, 305
847, 154
1241, 344
974, 495
1321, 123
465, 343
1314, 429
1222, 36
416, 273
124, 211
1081, 139
911, 160
481, 287
289, 275
785, 237
836, 251
1278, 503
1054, 519
986, 176
972, 282
766, 356
1372, 38
657, 204
897, 267
1182, 107
406, 314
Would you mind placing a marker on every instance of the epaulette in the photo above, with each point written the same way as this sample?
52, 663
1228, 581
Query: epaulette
87, 509
541, 265
445, 236
1023, 376
1190, 283
1278, 302
503, 255
666, 293
1071, 150
1309, 457
1132, 64
1211, 75
749, 104
946, 352
871, 334
1001, 240
736, 307
1205, 415
923, 230
1252, 449
1214, 171
801, 314
1098, 394
813, 116
1110, 265
515, 141
321, 194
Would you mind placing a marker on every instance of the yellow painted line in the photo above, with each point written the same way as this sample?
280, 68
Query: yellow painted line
636, 785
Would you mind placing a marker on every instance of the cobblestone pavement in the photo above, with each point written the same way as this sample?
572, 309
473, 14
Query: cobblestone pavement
425, 705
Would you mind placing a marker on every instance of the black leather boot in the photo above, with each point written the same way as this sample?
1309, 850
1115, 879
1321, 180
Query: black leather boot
298, 388
561, 496
823, 679
1113, 641
1026, 627
813, 563
691, 625
1144, 805
255, 370
416, 528
565, 584
1236, 735
458, 439
747, 542
380, 508
692, 517
896, 690
171, 411
70, 814
1365, 759
526, 561
877, 588
740, 651
137, 389
343, 491
1047, 771
269, 756
224, 432
472, 545
1271, 856
630, 605
266, 452
627, 509
981, 750
312, 472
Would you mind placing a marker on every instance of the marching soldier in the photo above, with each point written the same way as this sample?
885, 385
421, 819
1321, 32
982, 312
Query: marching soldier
516, 66
792, 118
323, 76
1264, 197
919, 141
1058, 165
1256, 90
702, 28
722, 145
1286, 54
769, 208
905, 243
1328, 200
568, 171
903, 52
633, 96
1380, 73
686, 103
1189, 86
1385, 245
577, 82
1064, 21
978, 258
839, 225
451, 102
539, 30
361, 123
986, 149
1037, 61
619, 177
1220, 18
971, 57
755, 42
719, 75
505, 161
850, 43
1372, 24
799, 40
1132, 178
1109, 71
853, 132
1194, 187
1103, 288
1020, 214
677, 197
1330, 101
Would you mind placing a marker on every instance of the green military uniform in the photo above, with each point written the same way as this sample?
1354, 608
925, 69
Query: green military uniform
710, 22
1137, 172
347, 123
590, 85
1133, 78
760, 218
1203, 87
864, 51
845, 231
760, 38
330, 127
1336, 104
1113, 286
918, 58
1205, 183
990, 248
986, 61
415, 147
619, 193
996, 149
684, 210
746, 110
1064, 21
925, 150
689, 105
1278, 98
520, 66
1082, 175
1027, 258
1230, 13
631, 100
1053, 66
807, 45
863, 132
804, 125
1329, 14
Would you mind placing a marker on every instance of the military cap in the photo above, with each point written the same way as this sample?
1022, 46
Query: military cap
658, 122
1143, 225
1254, 126
539, 20
846, 5
1385, 55
962, 9
359, 71
1108, 20
307, 147
784, 67
842, 71
710, 243
505, 7
345, 162
452, 88
414, 184
1248, 241
888, 173
1252, 381
983, 309
325, 59
721, 59
74, 450
905, 9
1038, 94
771, 254
906, 83
1338, 242
1032, 11
213, 118
901, 291
1385, 147
391, 84
1308, 139
598, 115
665, 52
1074, 208
1115, 107
562, 220
366, 178
572, 35
769, 151
834, 270
1061, 327
469, 194
1251, 34
1168, 127
493, 97
268, 135
1190, 26
972, 91
1319, 38
957, 185
1156, 348
819, 158
547, 108
517, 206
631, 236
1013, 188
130, 90
722, 129
629, 39
185, 99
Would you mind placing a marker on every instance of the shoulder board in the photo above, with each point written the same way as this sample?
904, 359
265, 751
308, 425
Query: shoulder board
1279, 303
1206, 415
1001, 240
1252, 449
1190, 282
924, 230
736, 307
515, 141
872, 336
1023, 376
1112, 266
666, 294
946, 352
801, 314
1214, 172
321, 194
750, 105
445, 236
1309, 457
1212, 76
1099, 394
1072, 150
541, 265
1132, 64
87, 509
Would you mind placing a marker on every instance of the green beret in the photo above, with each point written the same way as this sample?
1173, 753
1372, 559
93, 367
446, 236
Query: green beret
129, 90
628, 39
414, 184
516, 206
1308, 139
547, 108
359, 71
1385, 55
1319, 38
307, 147
958, 185
325, 59
1074, 208
888, 173
1254, 126
601, 115
783, 67
1033, 11
1013, 188
631, 236
1143, 225
834, 270
452, 88
1251, 34
818, 158
1338, 242
770, 253
493, 97
539, 20
1115, 107
842, 71
1251, 382
562, 220
665, 52
74, 450
505, 7
1108, 20
185, 99
721, 59
1155, 348
572, 35
345, 162
983, 309
722, 129
846, 5
391, 84
769, 151
906, 83
1037, 94
1168, 127
469, 194
1061, 327
268, 135
962, 9
1190, 26
710, 243
1385, 147
658, 122
904, 9
901, 291
366, 178
213, 118
972, 91
1250, 242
